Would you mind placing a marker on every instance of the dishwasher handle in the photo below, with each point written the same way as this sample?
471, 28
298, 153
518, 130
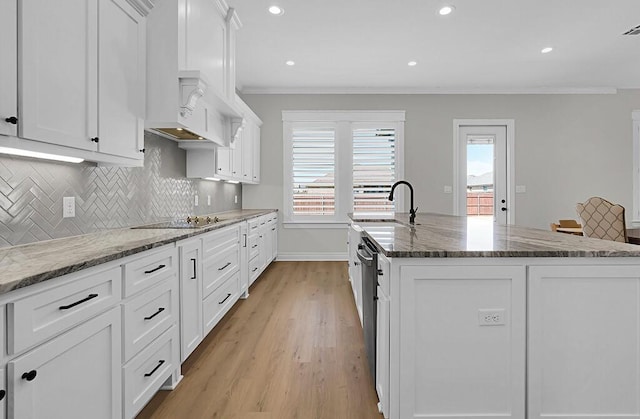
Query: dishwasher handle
366, 259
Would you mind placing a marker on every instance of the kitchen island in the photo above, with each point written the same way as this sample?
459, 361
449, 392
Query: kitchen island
476, 321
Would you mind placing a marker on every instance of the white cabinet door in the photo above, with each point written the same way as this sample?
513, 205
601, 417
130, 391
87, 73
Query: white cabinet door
256, 154
223, 162
584, 342
453, 362
236, 158
121, 84
58, 62
8, 66
190, 297
75, 375
247, 152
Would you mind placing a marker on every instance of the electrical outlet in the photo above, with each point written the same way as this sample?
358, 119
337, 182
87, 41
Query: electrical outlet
448, 189
209, 200
68, 207
491, 317
195, 201
235, 199
521, 189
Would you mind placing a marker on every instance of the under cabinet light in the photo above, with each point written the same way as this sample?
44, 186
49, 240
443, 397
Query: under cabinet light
233, 181
37, 155
215, 179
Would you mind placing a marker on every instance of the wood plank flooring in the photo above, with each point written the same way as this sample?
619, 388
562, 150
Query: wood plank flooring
293, 350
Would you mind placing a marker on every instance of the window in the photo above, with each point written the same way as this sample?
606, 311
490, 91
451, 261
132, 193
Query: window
341, 162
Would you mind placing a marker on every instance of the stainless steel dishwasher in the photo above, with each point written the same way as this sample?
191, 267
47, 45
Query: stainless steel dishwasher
368, 255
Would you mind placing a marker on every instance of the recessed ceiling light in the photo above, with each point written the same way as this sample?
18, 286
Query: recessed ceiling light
290, 63
412, 63
276, 10
546, 50
445, 10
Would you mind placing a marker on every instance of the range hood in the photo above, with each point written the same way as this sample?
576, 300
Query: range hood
190, 82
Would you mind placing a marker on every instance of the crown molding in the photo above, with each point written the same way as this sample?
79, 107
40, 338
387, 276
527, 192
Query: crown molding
248, 90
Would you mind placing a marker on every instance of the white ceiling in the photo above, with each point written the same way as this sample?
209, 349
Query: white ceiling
483, 46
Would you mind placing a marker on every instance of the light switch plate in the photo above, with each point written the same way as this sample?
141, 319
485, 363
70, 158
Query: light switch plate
448, 189
491, 317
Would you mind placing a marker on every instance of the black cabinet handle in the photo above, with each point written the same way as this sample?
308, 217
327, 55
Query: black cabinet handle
380, 272
225, 299
194, 268
84, 300
149, 374
95, 139
29, 376
273, 229
142, 150
160, 310
155, 269
245, 240
254, 246
224, 267
254, 269
375, 298
12, 120
2, 394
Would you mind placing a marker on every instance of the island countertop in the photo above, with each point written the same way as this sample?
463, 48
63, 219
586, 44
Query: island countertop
28, 264
447, 236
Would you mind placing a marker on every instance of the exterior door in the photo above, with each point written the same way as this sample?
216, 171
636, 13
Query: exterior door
482, 178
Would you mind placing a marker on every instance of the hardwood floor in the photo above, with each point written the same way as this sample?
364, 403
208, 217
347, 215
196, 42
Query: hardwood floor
293, 350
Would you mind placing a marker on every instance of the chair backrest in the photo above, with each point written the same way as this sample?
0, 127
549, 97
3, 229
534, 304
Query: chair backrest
602, 219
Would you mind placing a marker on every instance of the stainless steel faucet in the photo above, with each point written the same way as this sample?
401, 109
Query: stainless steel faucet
412, 211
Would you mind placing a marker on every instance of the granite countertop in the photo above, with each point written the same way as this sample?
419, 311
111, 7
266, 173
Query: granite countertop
446, 236
28, 264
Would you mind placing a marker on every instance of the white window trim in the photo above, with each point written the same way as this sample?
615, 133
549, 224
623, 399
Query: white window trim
343, 121
635, 218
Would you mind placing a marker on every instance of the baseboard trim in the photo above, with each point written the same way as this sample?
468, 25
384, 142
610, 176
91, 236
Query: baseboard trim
290, 257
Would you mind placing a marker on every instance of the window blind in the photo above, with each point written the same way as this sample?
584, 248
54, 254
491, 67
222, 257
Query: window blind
374, 168
313, 170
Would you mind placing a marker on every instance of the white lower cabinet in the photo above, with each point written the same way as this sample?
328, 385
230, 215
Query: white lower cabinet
3, 393
382, 336
145, 374
451, 363
190, 296
75, 375
584, 342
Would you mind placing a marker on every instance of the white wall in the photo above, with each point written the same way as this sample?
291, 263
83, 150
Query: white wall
567, 148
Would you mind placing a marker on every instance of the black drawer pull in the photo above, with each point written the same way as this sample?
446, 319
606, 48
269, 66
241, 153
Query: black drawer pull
254, 269
254, 246
194, 269
273, 229
160, 310
224, 267
149, 374
84, 300
225, 299
12, 120
155, 269
2, 394
29, 376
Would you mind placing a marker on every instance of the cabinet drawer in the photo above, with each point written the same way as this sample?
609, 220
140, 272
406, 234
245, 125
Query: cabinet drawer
253, 225
148, 315
149, 269
220, 301
40, 316
255, 266
254, 246
217, 269
145, 374
220, 240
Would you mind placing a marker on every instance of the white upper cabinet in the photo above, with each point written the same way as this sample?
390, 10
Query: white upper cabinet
8, 67
121, 82
76, 69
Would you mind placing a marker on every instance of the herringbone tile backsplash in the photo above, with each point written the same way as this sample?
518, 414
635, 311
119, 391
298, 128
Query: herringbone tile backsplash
31, 193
